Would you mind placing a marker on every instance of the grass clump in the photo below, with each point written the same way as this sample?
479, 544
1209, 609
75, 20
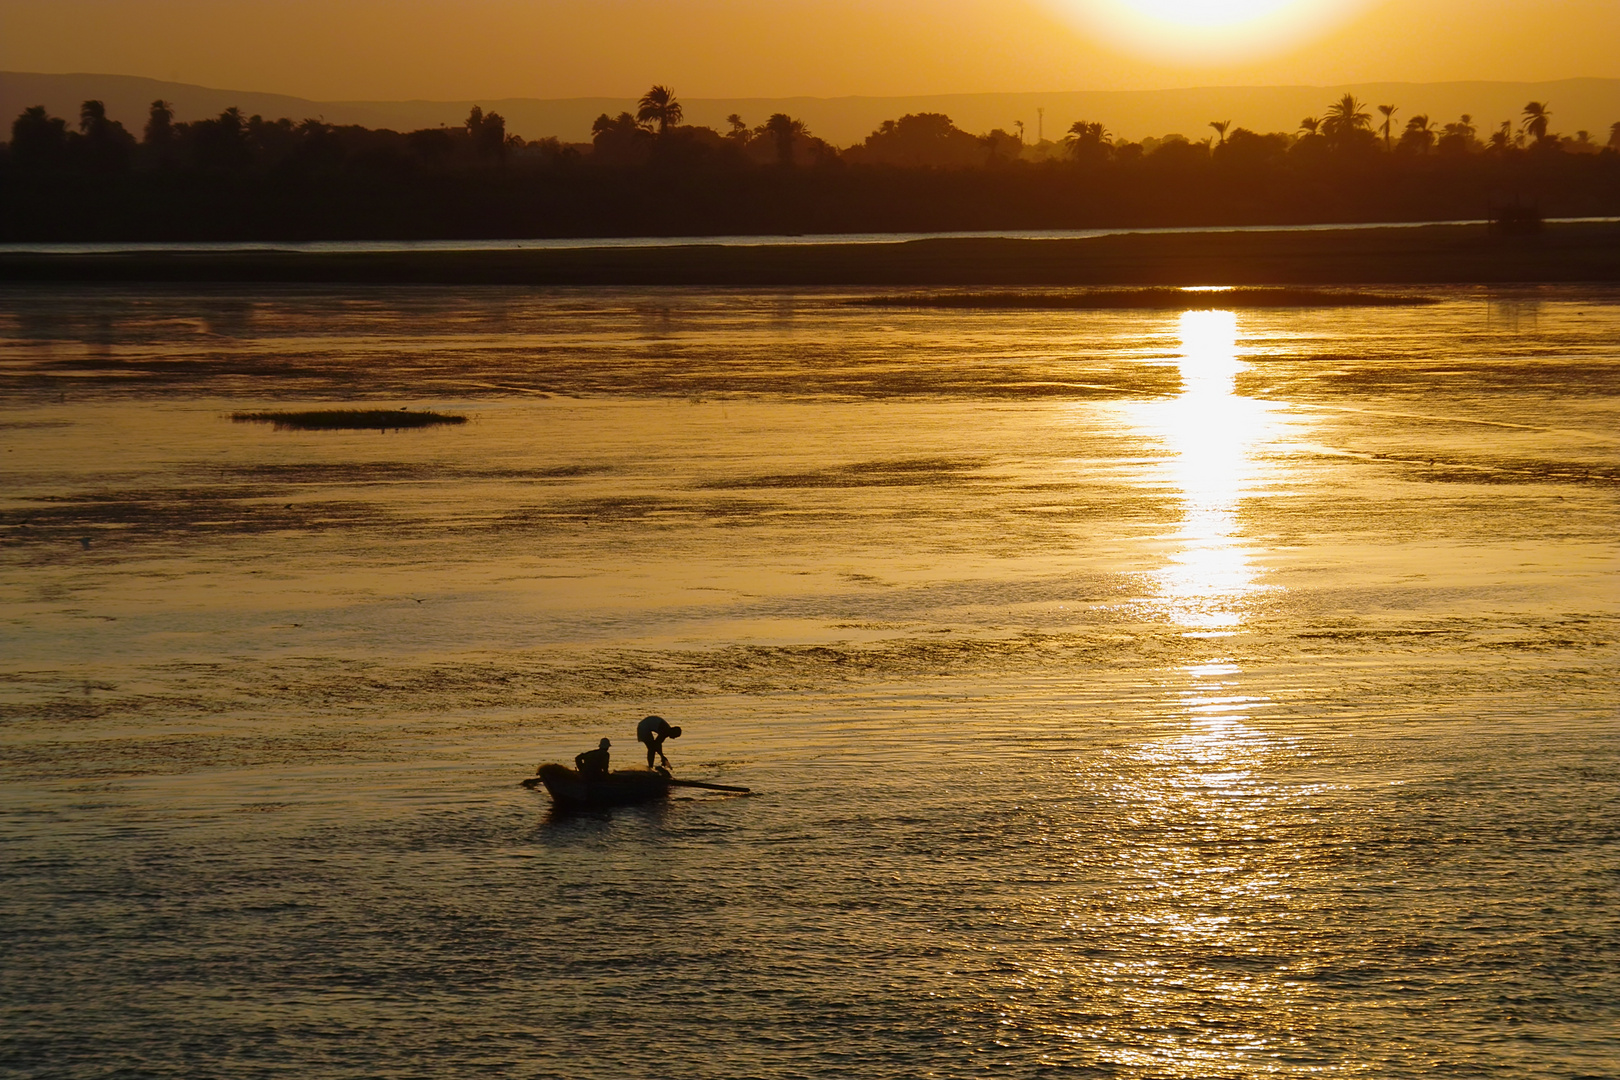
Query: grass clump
348, 419
1158, 299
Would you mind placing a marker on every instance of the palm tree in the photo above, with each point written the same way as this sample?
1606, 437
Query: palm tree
1502, 136
1344, 118
785, 130
739, 129
1536, 116
109, 146
1419, 133
37, 137
160, 122
623, 127
659, 106
92, 117
1309, 125
488, 132
1084, 138
1458, 137
1019, 124
1389, 118
1220, 127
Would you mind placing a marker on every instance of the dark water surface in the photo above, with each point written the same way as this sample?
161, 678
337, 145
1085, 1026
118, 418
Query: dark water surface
1131, 694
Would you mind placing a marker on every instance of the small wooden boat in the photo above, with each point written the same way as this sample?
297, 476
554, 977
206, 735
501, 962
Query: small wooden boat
623, 787
571, 790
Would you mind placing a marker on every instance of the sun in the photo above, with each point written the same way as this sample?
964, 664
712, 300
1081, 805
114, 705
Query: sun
1205, 31
1205, 13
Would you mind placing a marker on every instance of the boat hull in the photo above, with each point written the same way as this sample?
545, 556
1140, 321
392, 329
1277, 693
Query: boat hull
624, 787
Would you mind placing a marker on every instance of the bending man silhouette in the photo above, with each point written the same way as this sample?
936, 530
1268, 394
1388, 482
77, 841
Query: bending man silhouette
593, 764
653, 731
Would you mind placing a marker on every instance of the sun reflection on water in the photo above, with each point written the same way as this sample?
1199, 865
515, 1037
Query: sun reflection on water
1213, 433
1197, 866
1199, 859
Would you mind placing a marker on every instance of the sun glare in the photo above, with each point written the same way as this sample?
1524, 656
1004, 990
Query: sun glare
1208, 12
1206, 31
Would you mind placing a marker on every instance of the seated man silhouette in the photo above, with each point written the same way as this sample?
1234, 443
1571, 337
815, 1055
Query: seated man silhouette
593, 764
653, 731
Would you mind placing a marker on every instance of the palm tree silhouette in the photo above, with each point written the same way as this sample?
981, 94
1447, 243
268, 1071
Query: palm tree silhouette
1536, 116
37, 137
1309, 125
92, 116
1502, 136
1220, 127
1086, 138
1458, 137
739, 129
1019, 124
1389, 118
1419, 133
1344, 118
784, 129
620, 140
659, 106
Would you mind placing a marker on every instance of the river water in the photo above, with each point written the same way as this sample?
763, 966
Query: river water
1136, 694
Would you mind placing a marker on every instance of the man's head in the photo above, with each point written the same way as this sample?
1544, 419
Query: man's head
674, 732
604, 744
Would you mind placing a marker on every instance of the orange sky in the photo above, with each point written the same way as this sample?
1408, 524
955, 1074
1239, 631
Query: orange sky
392, 49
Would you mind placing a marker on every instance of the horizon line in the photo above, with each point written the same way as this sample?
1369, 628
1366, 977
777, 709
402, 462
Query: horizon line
821, 97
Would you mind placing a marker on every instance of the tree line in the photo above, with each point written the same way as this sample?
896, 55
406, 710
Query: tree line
236, 176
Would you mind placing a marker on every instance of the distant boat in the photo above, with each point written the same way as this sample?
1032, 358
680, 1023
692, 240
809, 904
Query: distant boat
570, 790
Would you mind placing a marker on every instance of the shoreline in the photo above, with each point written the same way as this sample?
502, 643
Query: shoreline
1565, 252
639, 243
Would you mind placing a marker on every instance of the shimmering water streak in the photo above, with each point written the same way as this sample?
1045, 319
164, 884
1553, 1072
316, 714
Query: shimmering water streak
1213, 434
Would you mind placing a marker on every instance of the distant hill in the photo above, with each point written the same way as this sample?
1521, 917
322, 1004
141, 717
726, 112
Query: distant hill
1577, 104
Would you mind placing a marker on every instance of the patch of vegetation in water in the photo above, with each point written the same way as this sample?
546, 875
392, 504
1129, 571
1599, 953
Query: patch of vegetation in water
348, 419
1161, 299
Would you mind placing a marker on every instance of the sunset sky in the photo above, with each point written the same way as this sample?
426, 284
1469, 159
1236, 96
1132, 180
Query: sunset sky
393, 49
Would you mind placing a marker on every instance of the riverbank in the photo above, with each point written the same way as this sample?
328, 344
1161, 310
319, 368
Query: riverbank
1463, 254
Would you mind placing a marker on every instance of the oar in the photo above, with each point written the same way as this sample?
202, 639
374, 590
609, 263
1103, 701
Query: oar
709, 787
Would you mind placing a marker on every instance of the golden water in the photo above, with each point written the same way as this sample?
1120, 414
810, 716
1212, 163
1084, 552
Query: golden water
1144, 694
